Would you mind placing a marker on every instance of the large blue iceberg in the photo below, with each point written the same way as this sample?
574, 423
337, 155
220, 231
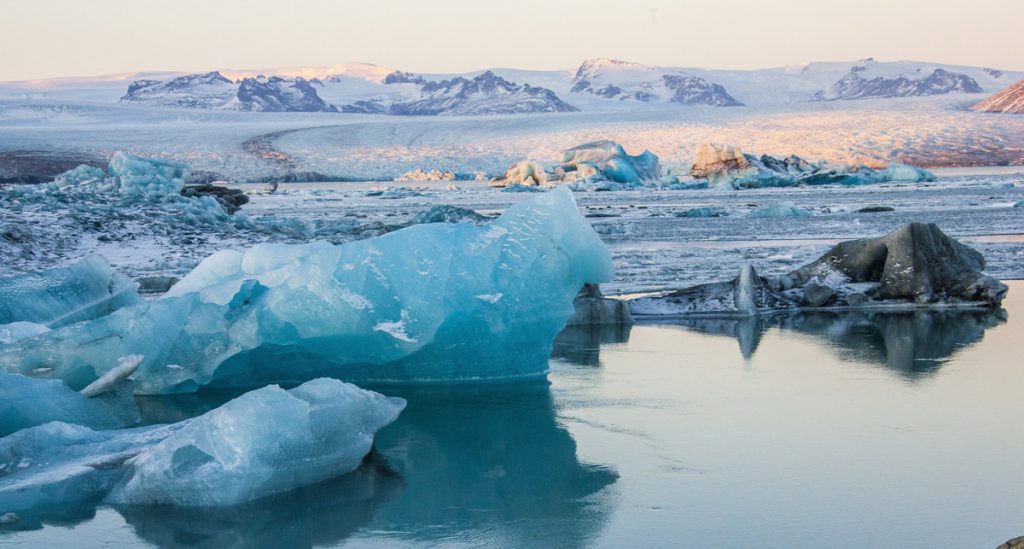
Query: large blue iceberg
264, 442
430, 303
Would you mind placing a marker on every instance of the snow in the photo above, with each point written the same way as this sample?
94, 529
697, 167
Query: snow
279, 312
264, 442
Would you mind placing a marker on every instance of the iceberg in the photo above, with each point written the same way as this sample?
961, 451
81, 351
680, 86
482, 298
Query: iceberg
439, 302
596, 166
727, 167
264, 442
611, 162
86, 290
782, 209
27, 402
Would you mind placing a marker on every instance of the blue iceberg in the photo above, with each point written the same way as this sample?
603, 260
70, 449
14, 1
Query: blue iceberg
86, 290
27, 402
429, 303
262, 443
780, 209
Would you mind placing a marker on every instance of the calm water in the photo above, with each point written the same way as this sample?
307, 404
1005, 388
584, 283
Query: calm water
824, 430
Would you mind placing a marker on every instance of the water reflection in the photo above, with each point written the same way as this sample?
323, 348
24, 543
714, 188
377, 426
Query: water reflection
474, 465
490, 465
319, 515
581, 345
914, 344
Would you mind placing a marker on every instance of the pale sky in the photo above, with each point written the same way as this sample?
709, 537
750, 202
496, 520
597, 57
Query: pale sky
45, 38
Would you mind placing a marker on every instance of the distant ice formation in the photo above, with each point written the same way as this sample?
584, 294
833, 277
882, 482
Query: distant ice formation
727, 167
599, 165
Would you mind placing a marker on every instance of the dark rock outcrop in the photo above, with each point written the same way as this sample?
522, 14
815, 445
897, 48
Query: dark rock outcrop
592, 308
915, 262
746, 295
916, 265
229, 199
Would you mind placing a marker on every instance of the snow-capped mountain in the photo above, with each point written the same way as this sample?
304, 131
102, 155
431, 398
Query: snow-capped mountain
1010, 100
855, 85
625, 81
595, 85
483, 94
199, 91
213, 91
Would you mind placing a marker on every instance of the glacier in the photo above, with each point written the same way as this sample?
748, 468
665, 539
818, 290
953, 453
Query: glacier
262, 443
429, 303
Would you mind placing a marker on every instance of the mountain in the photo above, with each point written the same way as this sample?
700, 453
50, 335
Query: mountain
198, 91
594, 85
484, 94
625, 81
213, 91
854, 85
1010, 100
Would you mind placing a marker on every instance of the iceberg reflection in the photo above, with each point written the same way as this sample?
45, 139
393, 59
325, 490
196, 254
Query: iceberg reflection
913, 344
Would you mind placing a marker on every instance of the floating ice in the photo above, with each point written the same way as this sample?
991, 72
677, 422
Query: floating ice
595, 166
58, 297
608, 161
904, 172
87, 205
287, 313
727, 167
264, 442
783, 209
27, 402
706, 211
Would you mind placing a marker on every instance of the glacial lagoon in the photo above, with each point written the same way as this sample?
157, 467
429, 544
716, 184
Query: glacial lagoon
817, 429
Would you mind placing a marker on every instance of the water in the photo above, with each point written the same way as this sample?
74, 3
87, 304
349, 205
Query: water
815, 430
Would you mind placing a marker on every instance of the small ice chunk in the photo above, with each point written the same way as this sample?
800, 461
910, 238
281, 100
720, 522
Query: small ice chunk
126, 366
777, 210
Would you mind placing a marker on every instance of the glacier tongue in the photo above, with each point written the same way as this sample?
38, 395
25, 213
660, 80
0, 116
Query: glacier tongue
264, 442
400, 307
